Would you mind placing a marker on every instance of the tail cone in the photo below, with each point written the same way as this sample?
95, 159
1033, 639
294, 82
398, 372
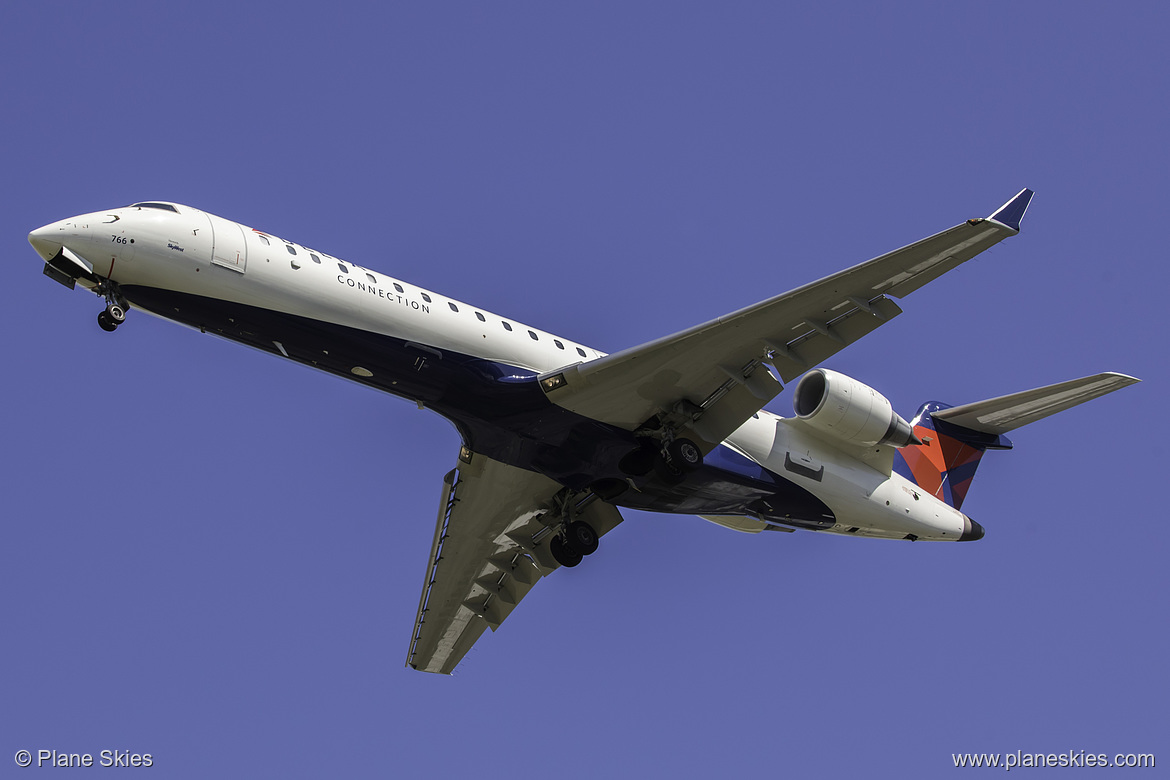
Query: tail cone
972, 531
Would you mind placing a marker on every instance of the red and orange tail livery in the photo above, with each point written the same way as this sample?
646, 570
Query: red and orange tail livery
945, 463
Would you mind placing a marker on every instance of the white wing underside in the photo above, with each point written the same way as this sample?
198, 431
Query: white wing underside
490, 548
711, 377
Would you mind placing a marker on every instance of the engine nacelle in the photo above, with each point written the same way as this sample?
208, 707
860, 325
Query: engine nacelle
846, 409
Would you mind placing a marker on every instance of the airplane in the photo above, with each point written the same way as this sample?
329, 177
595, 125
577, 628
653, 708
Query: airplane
557, 437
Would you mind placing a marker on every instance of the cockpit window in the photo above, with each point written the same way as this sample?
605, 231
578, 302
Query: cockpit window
160, 206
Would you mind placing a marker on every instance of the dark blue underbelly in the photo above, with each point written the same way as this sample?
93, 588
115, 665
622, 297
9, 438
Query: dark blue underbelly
499, 410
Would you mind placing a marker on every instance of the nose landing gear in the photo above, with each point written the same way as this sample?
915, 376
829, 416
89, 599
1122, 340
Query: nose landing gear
111, 318
115, 311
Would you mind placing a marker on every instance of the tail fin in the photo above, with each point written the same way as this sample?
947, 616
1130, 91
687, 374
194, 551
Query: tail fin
944, 464
954, 438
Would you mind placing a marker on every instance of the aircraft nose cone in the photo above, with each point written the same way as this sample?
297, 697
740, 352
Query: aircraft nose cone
972, 531
48, 239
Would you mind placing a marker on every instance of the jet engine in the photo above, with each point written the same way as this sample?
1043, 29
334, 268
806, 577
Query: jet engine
844, 408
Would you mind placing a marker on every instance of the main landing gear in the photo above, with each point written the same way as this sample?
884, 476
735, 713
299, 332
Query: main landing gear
575, 538
669, 458
115, 311
684, 455
678, 458
571, 545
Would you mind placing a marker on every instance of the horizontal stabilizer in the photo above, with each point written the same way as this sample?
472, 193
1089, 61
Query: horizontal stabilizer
1000, 415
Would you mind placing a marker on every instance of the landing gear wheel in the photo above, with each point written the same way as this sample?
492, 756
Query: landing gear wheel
582, 537
562, 553
116, 313
684, 455
106, 323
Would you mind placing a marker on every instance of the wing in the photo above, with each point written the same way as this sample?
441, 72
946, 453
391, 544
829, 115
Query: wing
709, 379
489, 550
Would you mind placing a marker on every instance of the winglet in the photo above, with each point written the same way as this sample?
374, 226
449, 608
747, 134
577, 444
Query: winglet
1012, 212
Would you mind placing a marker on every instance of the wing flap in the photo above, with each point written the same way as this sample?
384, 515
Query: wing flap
820, 341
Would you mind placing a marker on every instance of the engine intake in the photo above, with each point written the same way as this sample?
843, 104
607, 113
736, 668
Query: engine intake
848, 410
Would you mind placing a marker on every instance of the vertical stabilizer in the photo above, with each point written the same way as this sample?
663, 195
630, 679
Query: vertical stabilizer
945, 463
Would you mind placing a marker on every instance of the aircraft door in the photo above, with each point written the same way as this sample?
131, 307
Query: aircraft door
229, 248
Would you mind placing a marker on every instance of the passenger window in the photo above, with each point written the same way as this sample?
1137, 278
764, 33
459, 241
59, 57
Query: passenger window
370, 276
316, 259
581, 352
291, 250
532, 333
559, 344
480, 317
398, 287
344, 270
453, 306
426, 297
507, 325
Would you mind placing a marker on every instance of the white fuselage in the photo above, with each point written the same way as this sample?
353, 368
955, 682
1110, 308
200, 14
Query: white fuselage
179, 249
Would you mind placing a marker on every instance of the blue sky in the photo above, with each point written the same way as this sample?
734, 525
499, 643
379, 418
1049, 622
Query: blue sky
215, 557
